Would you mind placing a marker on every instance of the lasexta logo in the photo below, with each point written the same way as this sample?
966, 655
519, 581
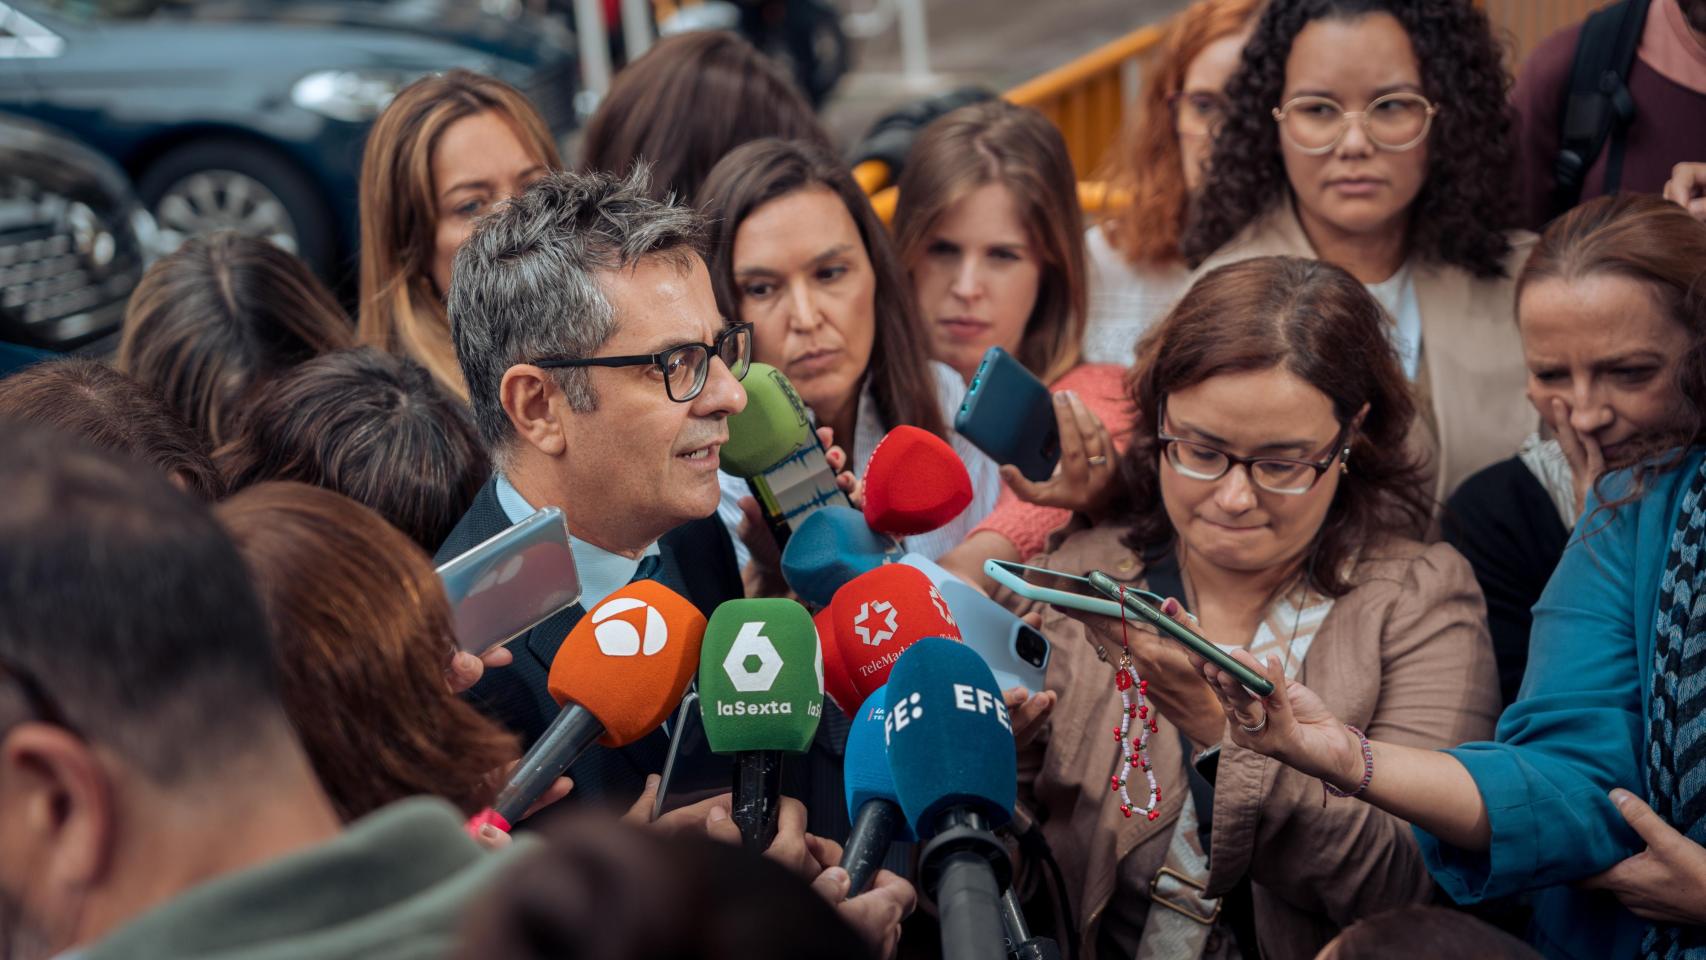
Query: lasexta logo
625, 626
752, 663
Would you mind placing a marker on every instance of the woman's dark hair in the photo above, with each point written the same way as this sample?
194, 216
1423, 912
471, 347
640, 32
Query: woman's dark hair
600, 889
213, 321
1019, 149
688, 101
373, 426
363, 633
1426, 933
1320, 324
110, 411
753, 175
1466, 203
1658, 244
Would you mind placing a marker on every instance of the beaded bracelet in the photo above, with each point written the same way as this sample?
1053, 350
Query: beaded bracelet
1367, 771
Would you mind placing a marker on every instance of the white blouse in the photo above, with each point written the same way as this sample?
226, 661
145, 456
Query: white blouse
1125, 301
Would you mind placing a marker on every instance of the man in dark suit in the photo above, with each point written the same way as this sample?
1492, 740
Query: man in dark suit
584, 268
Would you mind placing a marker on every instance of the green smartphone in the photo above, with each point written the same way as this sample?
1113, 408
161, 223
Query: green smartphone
1139, 604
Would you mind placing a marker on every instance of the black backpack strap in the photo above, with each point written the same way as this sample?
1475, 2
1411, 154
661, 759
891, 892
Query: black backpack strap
1597, 104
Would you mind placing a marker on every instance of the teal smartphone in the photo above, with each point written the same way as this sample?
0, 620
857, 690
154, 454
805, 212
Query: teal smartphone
1051, 587
1146, 606
1009, 414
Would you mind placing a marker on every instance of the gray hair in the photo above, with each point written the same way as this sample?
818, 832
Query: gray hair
525, 285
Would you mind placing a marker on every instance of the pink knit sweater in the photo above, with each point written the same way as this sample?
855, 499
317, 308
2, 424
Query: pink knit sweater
1101, 387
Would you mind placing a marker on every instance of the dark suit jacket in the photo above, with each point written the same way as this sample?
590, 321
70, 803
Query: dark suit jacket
698, 561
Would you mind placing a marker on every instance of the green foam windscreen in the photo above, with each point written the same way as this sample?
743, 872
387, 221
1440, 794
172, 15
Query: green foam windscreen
760, 677
773, 425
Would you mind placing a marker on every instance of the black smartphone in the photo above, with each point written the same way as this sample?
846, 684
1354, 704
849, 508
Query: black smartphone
1009, 414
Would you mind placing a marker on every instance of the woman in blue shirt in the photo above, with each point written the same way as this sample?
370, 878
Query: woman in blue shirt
1593, 794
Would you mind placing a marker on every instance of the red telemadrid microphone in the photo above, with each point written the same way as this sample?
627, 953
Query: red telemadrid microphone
914, 483
875, 616
619, 674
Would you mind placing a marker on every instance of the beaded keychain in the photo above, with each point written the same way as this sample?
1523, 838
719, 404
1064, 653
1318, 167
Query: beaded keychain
1133, 754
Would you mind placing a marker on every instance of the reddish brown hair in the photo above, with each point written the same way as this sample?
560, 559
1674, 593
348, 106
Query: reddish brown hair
109, 410
1658, 244
1320, 324
401, 310
1150, 165
362, 630
1017, 147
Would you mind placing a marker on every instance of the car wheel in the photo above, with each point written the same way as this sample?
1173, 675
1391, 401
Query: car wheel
215, 185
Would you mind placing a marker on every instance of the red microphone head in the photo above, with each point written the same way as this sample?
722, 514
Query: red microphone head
837, 681
914, 483
877, 615
628, 661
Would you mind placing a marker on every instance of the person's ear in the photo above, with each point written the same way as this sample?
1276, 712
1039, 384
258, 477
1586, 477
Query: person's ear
527, 394
1356, 421
60, 807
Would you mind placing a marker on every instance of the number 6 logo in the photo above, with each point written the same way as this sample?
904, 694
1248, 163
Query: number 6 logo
751, 642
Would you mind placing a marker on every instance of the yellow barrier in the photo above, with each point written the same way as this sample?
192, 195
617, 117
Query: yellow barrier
1086, 98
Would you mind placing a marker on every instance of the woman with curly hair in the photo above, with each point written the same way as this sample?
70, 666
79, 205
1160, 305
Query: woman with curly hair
1375, 135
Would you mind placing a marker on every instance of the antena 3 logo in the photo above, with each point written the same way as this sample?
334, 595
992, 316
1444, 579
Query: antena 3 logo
875, 622
624, 636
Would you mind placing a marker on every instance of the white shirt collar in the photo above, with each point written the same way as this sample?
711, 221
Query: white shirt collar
602, 573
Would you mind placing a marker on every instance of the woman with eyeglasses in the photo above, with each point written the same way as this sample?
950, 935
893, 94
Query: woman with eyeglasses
1136, 270
1375, 135
1265, 476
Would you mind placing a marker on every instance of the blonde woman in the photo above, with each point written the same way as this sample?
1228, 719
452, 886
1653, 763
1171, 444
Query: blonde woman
446, 149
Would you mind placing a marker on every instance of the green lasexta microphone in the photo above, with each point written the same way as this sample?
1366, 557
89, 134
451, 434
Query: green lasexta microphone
761, 696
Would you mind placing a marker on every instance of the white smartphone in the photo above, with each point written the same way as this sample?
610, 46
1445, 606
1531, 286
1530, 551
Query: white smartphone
511, 583
1016, 652
1051, 586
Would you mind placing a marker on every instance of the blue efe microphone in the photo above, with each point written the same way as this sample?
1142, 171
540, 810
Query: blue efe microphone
831, 547
871, 801
950, 744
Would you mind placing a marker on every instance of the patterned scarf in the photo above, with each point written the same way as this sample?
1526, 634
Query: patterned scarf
1676, 722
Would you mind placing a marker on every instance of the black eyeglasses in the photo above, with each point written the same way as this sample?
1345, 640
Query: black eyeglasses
686, 367
40, 705
1283, 475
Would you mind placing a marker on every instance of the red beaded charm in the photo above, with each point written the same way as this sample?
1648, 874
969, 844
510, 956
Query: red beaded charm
1125, 809
1123, 680
1154, 814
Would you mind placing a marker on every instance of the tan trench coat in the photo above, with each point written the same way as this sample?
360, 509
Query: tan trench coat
1405, 656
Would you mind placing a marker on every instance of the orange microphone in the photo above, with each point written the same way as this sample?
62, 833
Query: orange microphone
619, 674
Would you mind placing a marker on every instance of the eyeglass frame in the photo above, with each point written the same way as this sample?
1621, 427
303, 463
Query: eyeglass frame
1175, 99
713, 351
1361, 118
1340, 447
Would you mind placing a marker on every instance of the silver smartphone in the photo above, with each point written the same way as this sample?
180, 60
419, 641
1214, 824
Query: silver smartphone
1017, 653
511, 583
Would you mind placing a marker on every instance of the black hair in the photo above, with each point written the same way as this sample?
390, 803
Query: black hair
125, 606
1466, 204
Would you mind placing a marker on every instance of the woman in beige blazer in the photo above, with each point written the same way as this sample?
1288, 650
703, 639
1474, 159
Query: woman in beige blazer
1379, 141
1266, 471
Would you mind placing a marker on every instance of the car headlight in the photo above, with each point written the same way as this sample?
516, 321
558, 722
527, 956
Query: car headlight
355, 96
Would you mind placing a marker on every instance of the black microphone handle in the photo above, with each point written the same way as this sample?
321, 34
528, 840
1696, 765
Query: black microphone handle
868, 844
966, 901
757, 796
564, 741
1020, 944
